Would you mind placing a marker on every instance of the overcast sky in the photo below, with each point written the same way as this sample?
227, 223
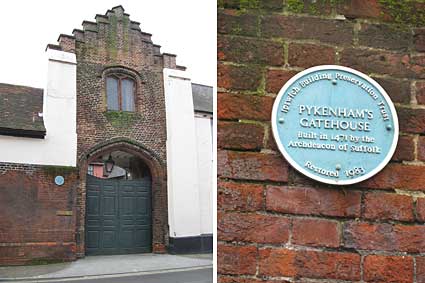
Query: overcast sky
186, 28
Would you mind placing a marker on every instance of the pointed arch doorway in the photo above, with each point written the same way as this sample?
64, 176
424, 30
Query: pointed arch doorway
124, 208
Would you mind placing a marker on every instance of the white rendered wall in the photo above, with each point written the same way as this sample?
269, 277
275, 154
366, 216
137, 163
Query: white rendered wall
205, 162
182, 162
59, 147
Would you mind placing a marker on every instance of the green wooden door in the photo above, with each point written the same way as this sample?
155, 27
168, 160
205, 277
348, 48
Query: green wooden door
118, 216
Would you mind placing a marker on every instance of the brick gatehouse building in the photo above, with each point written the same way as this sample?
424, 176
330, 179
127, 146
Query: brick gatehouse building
84, 162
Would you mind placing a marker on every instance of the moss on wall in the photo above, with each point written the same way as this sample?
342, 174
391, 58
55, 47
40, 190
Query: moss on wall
406, 12
126, 30
311, 7
112, 45
121, 119
249, 4
59, 170
295, 6
239, 4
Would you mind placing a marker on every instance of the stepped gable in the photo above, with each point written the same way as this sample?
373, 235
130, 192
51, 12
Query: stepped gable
115, 37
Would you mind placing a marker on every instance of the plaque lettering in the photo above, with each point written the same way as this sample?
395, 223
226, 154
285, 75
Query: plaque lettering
335, 124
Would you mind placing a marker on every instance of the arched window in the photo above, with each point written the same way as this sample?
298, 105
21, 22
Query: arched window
120, 93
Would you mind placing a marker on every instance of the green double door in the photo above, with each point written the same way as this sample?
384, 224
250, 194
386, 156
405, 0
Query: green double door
118, 216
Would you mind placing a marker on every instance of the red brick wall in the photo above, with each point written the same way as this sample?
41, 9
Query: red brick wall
37, 217
275, 225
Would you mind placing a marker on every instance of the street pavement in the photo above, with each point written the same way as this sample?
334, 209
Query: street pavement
204, 275
126, 267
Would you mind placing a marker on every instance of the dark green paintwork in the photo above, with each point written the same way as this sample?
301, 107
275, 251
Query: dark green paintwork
118, 216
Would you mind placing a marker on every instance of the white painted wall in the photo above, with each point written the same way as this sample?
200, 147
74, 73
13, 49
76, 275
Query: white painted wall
59, 147
182, 161
205, 168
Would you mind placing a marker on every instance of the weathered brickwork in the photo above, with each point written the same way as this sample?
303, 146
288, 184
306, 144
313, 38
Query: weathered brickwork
38, 217
275, 225
115, 44
34, 211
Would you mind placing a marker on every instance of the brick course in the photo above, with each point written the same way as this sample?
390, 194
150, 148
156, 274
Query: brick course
313, 264
384, 237
405, 149
229, 77
313, 201
315, 232
368, 232
388, 269
240, 106
309, 55
420, 209
275, 79
384, 206
420, 269
236, 259
240, 196
243, 136
251, 166
253, 228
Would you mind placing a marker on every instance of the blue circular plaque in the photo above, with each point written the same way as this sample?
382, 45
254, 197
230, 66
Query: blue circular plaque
59, 180
335, 125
